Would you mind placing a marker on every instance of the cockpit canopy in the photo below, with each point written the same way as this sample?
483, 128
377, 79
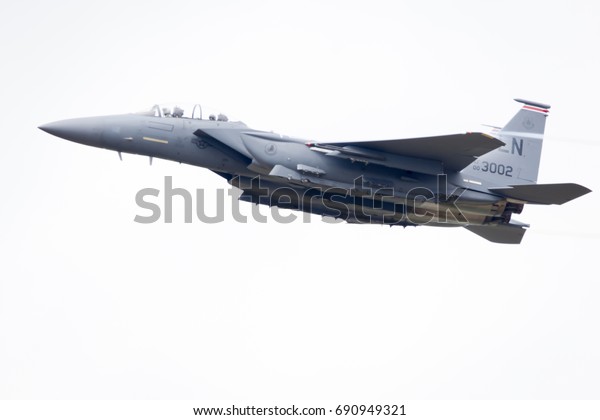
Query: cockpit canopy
176, 110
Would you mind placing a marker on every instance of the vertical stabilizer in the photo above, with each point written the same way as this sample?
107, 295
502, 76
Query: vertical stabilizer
519, 161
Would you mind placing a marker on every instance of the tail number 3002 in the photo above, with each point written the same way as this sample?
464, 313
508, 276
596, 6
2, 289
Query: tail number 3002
494, 168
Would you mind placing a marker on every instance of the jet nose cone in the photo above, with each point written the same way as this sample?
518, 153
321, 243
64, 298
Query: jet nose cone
80, 130
51, 128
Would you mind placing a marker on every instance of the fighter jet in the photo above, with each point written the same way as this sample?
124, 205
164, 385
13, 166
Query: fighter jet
471, 180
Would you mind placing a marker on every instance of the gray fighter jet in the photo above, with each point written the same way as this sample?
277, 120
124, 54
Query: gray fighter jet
474, 180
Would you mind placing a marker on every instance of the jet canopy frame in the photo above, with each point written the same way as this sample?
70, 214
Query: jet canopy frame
189, 111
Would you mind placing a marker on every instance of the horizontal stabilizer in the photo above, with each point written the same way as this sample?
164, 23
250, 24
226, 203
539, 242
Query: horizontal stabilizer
501, 233
455, 151
543, 193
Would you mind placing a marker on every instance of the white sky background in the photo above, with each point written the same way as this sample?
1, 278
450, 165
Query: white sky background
94, 305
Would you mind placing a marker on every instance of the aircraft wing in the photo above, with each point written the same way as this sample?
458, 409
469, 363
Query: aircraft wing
455, 151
